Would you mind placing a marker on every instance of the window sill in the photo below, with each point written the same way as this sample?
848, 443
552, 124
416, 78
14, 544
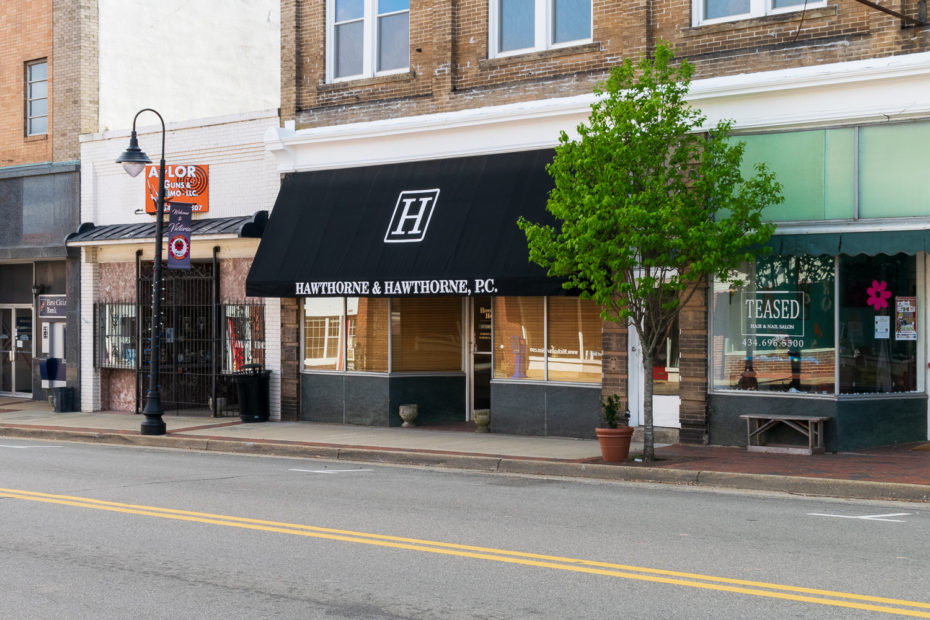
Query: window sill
831, 396
767, 20
363, 82
487, 64
37, 138
539, 382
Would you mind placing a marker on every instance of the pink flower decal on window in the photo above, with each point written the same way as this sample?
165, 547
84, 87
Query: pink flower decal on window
878, 296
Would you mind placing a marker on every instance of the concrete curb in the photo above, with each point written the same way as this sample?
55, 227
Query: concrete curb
823, 487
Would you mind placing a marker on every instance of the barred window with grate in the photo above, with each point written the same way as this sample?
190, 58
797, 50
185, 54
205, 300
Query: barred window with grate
116, 335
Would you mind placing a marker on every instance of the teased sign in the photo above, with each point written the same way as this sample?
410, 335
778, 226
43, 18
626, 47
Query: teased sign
773, 313
183, 183
395, 288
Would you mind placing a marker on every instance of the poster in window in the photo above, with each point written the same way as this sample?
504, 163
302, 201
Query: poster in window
905, 318
882, 327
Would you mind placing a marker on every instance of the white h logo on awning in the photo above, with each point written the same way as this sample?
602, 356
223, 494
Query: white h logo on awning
411, 216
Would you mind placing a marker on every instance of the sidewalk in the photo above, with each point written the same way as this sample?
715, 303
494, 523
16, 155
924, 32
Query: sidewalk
900, 472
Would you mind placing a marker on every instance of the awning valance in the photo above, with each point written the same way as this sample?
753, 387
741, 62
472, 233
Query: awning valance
852, 243
439, 227
244, 226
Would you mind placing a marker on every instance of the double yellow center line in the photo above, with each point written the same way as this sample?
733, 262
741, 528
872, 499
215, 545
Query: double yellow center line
638, 573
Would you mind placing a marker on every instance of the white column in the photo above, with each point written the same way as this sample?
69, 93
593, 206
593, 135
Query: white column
90, 376
273, 355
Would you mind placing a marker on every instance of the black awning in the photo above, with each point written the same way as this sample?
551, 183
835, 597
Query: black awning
440, 227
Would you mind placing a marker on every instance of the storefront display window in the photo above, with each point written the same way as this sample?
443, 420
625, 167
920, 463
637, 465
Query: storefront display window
776, 333
574, 344
345, 334
116, 335
523, 349
426, 334
519, 338
534, 338
878, 324
324, 319
367, 334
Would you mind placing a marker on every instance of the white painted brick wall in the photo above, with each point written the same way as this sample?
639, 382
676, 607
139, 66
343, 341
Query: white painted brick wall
243, 176
187, 59
243, 179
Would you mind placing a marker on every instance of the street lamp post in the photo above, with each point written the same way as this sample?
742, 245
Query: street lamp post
134, 161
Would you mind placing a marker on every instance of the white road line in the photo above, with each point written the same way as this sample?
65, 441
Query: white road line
26, 447
867, 517
329, 471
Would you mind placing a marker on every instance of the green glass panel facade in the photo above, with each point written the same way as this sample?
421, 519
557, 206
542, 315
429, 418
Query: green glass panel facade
893, 162
840, 174
815, 168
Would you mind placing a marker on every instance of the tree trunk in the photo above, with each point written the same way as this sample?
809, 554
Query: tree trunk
649, 445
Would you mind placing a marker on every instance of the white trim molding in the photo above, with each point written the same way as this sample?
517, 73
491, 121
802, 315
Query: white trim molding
865, 91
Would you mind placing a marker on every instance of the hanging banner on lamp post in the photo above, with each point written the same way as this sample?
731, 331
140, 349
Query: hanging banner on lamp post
179, 235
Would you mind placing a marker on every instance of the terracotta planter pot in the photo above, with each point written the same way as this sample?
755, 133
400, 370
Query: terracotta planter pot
615, 443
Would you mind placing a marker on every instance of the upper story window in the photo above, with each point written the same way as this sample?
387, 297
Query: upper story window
714, 11
367, 38
37, 98
520, 26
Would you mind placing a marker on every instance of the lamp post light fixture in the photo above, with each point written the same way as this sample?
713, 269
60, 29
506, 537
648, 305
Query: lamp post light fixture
134, 161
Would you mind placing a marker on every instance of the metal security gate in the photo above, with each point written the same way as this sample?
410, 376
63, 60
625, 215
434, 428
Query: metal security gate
203, 342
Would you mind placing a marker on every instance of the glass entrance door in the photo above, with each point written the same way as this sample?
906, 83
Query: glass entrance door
481, 353
16, 350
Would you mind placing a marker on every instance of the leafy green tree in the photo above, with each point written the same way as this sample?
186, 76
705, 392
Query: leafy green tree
649, 204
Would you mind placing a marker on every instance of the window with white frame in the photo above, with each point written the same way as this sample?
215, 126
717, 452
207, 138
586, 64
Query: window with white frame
714, 11
520, 26
37, 98
367, 38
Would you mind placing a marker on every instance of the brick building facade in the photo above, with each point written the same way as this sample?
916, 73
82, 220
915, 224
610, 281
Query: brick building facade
460, 95
47, 98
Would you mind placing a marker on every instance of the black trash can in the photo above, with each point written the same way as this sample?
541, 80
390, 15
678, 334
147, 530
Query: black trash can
252, 387
63, 399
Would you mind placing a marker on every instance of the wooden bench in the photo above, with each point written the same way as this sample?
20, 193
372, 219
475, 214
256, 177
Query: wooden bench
810, 426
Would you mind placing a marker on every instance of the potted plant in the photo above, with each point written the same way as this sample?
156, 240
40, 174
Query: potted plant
614, 437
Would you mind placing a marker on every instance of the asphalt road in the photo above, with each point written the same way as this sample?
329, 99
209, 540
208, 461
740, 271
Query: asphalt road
95, 531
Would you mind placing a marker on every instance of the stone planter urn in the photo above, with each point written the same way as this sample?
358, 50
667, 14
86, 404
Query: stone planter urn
482, 420
408, 413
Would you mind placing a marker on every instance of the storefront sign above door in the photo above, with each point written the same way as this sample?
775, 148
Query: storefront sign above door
53, 306
183, 183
